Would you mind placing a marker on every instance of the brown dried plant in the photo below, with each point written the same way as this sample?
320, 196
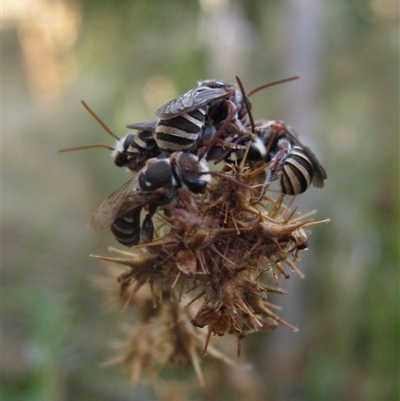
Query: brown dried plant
213, 262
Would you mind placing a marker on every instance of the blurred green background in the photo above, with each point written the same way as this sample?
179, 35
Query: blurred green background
125, 59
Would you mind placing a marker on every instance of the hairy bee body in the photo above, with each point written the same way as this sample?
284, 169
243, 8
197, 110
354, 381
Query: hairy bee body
293, 163
156, 185
135, 149
297, 172
189, 121
126, 229
181, 133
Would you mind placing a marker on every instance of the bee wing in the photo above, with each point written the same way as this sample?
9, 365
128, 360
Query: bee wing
123, 200
288, 132
319, 172
146, 126
189, 101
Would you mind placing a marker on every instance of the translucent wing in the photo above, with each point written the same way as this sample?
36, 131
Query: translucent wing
287, 132
146, 126
118, 204
191, 100
319, 172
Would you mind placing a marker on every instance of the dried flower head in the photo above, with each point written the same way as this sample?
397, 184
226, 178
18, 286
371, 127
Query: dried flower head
210, 268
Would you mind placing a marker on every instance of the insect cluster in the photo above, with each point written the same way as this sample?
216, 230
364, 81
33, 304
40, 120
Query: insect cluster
221, 244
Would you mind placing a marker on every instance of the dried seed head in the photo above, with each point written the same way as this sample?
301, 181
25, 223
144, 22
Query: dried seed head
221, 257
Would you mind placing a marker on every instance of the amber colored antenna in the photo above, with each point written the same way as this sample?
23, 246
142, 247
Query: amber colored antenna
281, 81
97, 145
97, 118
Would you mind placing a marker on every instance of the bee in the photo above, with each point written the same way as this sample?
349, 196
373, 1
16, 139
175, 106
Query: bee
234, 104
233, 125
198, 121
194, 119
293, 163
243, 121
156, 185
137, 148
133, 150
183, 121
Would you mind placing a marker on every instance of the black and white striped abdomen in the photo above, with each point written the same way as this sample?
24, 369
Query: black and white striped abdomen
142, 142
180, 133
126, 229
297, 172
134, 150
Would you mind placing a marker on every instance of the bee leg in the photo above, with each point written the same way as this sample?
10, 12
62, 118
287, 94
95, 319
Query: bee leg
239, 128
274, 167
267, 183
235, 123
236, 144
148, 226
221, 131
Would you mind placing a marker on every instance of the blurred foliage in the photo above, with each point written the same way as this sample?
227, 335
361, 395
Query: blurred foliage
54, 328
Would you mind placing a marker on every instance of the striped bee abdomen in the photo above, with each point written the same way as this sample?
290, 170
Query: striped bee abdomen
297, 172
143, 141
180, 133
134, 150
126, 229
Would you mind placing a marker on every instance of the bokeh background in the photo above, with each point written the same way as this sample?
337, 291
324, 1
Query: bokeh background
126, 58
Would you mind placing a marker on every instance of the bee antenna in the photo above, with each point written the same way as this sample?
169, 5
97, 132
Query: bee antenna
246, 103
281, 81
97, 118
97, 145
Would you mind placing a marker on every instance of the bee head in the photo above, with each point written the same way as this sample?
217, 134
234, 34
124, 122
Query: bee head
191, 171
